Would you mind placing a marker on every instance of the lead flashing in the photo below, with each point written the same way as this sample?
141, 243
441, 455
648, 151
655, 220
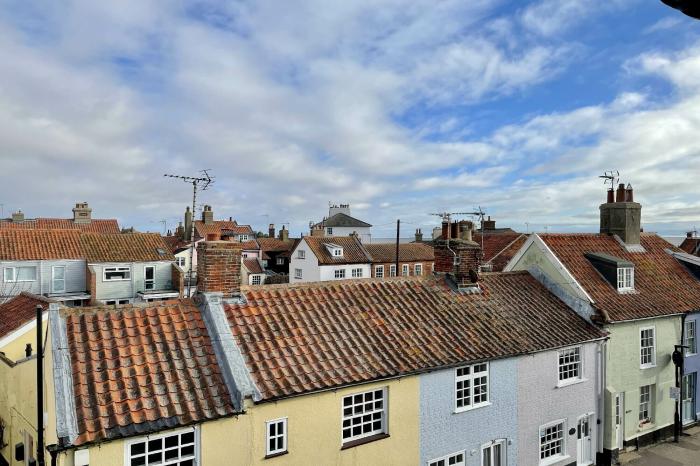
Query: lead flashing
66, 417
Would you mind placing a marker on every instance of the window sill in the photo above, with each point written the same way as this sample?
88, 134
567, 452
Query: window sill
647, 367
471, 408
362, 441
570, 382
647, 426
275, 455
554, 459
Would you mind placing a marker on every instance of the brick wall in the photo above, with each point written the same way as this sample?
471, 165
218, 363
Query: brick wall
427, 268
469, 254
219, 267
178, 279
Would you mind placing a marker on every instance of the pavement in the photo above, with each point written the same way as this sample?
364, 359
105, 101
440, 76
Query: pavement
684, 453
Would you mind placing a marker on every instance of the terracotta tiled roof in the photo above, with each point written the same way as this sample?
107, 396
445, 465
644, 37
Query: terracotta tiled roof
275, 245
20, 310
141, 370
95, 226
500, 249
302, 338
691, 246
17, 244
662, 285
353, 250
131, 247
175, 244
251, 245
408, 252
252, 265
219, 226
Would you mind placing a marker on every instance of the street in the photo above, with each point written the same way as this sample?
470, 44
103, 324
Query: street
684, 453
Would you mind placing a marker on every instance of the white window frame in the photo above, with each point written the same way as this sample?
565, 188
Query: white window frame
691, 327
625, 278
279, 261
348, 414
180, 261
379, 271
337, 252
357, 273
562, 454
283, 436
570, 365
329, 231
14, 278
499, 442
242, 238
54, 279
339, 274
116, 269
418, 270
146, 439
152, 281
255, 277
298, 274
301, 254
405, 270
445, 460
392, 270
467, 381
646, 404
652, 363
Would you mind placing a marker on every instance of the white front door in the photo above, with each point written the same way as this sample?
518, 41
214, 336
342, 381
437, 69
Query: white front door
620, 419
584, 441
494, 453
688, 387
58, 279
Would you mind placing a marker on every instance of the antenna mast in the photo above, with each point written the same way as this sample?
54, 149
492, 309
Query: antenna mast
611, 177
202, 182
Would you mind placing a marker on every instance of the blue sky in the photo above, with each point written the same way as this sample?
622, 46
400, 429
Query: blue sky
400, 108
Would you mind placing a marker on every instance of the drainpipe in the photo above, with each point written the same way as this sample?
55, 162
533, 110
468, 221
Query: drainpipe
40, 387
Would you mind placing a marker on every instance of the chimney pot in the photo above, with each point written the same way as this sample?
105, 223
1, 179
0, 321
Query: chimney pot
611, 195
271, 230
620, 196
445, 230
454, 230
629, 193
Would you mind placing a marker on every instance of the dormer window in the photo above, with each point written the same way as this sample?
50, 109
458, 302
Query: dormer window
625, 279
338, 252
334, 250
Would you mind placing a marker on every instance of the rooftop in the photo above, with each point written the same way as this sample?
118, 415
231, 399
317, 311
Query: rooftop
353, 250
107, 226
343, 220
19, 310
408, 252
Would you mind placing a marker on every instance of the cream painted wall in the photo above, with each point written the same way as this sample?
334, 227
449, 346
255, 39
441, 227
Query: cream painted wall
314, 423
14, 349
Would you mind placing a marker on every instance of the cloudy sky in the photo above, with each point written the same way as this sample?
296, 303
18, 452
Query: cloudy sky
400, 108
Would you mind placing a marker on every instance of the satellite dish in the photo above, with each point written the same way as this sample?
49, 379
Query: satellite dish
688, 7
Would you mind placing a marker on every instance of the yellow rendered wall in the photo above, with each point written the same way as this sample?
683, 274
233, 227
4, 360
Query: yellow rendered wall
17, 405
15, 349
314, 423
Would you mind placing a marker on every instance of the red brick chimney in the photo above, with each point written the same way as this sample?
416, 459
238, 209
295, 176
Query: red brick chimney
219, 268
459, 256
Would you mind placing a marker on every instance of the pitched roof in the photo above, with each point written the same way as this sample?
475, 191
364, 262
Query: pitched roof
138, 370
250, 245
128, 247
252, 265
18, 244
175, 244
499, 249
275, 245
107, 226
662, 286
353, 250
20, 310
302, 338
408, 252
217, 227
691, 246
343, 220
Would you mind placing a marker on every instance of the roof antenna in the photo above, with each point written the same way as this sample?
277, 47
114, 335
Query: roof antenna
611, 177
202, 182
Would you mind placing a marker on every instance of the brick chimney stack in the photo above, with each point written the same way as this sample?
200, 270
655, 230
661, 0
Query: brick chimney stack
458, 255
82, 213
488, 224
419, 235
188, 224
219, 268
623, 216
284, 233
271, 230
18, 217
207, 215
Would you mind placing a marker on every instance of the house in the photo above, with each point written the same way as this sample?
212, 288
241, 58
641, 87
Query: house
414, 259
691, 244
340, 223
17, 324
82, 220
276, 252
252, 272
411, 370
631, 285
321, 258
79, 268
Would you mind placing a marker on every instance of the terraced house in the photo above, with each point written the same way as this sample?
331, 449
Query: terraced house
632, 285
406, 370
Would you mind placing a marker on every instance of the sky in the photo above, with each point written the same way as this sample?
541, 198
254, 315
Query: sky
399, 108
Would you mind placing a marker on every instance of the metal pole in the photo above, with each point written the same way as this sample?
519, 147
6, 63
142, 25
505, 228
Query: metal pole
398, 228
39, 387
194, 202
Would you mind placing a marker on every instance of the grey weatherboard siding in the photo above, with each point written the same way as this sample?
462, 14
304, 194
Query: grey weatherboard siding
123, 289
75, 277
442, 431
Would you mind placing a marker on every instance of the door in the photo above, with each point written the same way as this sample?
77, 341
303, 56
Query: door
58, 279
494, 453
584, 441
620, 419
688, 397
150, 278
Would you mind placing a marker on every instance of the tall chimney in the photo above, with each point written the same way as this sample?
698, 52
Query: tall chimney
445, 230
454, 230
419, 235
188, 224
207, 215
622, 217
219, 268
460, 256
284, 233
271, 230
488, 224
82, 213
18, 217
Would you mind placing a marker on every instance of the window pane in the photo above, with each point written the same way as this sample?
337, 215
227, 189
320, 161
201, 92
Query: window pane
26, 273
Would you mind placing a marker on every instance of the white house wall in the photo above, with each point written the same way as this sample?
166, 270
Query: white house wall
327, 272
364, 232
308, 265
